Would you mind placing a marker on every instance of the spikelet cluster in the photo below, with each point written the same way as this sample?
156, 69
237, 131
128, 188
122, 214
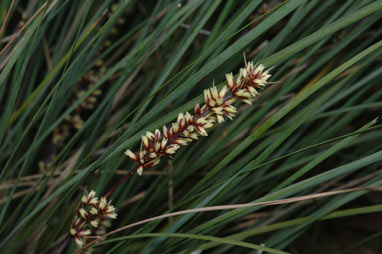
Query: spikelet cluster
218, 104
250, 79
92, 217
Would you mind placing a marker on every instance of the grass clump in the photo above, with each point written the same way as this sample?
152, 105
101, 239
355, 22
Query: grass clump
82, 82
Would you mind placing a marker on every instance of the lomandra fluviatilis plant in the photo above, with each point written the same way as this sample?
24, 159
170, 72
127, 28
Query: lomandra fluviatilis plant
93, 214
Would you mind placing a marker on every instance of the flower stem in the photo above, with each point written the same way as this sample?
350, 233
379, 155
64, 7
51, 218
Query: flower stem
62, 247
130, 173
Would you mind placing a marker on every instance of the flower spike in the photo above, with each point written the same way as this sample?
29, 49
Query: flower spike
91, 218
218, 105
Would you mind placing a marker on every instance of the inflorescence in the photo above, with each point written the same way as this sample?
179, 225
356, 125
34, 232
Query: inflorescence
189, 127
92, 217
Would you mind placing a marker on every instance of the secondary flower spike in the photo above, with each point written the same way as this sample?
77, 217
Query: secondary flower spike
92, 217
218, 104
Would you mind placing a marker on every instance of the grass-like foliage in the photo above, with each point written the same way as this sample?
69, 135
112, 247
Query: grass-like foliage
139, 127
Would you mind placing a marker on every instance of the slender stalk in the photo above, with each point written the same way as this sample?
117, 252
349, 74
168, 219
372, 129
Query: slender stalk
123, 179
62, 247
